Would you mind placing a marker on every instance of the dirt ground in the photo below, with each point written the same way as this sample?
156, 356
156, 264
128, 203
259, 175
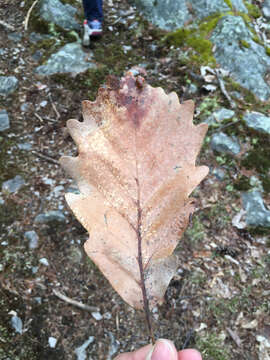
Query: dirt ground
219, 300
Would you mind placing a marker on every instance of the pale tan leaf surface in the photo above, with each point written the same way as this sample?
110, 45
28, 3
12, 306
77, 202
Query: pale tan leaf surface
135, 170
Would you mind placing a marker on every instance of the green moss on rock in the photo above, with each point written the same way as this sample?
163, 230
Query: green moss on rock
244, 43
253, 10
198, 42
229, 3
267, 50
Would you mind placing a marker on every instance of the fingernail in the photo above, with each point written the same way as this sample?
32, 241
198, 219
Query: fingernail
162, 350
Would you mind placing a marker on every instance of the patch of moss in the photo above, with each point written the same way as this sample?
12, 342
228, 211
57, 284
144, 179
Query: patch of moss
93, 79
196, 231
229, 3
253, 10
196, 39
8, 169
9, 211
209, 23
256, 39
265, 182
242, 183
208, 106
258, 159
259, 231
179, 37
246, 19
249, 97
198, 278
267, 50
244, 43
212, 347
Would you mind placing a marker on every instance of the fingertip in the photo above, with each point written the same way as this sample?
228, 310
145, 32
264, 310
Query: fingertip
163, 350
189, 354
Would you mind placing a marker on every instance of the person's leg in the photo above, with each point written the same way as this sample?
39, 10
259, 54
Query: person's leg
93, 10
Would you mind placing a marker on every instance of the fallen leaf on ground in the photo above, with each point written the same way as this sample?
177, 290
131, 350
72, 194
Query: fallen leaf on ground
135, 171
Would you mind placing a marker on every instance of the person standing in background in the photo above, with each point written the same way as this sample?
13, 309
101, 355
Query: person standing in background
93, 13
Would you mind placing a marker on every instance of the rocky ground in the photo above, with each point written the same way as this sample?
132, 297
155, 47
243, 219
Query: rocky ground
219, 300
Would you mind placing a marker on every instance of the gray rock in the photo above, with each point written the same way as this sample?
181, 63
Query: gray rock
34, 269
223, 143
97, 315
25, 106
4, 120
256, 212
17, 324
35, 37
219, 174
13, 185
171, 14
15, 36
220, 115
8, 84
54, 11
192, 89
32, 238
239, 5
52, 342
69, 59
257, 121
166, 14
53, 216
266, 9
37, 55
80, 351
25, 146
44, 261
248, 65
204, 7
113, 348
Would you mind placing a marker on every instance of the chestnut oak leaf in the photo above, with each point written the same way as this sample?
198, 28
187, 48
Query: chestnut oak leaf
135, 171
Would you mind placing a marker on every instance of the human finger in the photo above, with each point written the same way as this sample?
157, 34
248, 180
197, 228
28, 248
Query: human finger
140, 354
189, 354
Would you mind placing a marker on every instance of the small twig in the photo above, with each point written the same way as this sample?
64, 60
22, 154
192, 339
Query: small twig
74, 302
224, 91
234, 336
45, 157
225, 126
26, 20
38, 116
6, 25
188, 337
54, 108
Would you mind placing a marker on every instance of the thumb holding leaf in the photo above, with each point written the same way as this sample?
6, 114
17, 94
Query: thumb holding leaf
162, 350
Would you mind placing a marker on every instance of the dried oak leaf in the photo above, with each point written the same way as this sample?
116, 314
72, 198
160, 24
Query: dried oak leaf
135, 170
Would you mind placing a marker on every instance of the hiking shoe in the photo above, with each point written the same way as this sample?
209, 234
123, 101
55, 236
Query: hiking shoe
95, 27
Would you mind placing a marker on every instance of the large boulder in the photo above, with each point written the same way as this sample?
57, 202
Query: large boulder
173, 14
69, 59
257, 121
56, 12
236, 51
256, 212
219, 31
